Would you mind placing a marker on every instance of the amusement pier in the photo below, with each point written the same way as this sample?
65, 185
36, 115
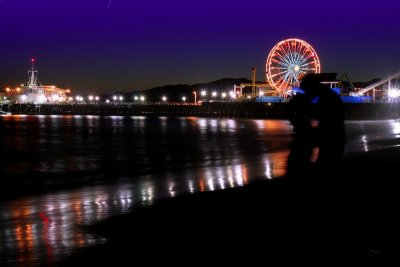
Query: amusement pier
286, 62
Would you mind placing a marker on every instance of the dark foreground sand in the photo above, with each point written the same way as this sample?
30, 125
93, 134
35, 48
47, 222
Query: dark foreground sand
350, 219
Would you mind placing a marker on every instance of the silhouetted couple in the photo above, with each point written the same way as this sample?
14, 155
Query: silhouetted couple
317, 115
314, 168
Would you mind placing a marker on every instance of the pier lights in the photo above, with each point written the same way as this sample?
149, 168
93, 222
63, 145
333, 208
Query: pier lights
24, 98
107, 101
55, 98
223, 95
261, 93
232, 94
115, 98
120, 98
164, 98
136, 98
184, 98
214, 94
203, 93
142, 98
90, 98
393, 93
97, 98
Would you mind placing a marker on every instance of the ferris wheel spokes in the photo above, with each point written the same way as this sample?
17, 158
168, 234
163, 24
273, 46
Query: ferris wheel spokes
287, 60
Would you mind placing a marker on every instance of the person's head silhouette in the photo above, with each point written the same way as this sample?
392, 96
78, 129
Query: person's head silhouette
311, 85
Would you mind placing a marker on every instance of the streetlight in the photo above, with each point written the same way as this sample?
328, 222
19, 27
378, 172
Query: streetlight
184, 98
195, 95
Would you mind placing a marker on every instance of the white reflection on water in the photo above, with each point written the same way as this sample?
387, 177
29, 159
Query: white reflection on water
225, 154
43, 229
396, 128
365, 143
366, 136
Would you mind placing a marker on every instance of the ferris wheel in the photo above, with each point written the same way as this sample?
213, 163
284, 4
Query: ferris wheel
287, 60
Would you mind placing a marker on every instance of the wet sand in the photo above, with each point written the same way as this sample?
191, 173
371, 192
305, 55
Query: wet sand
348, 219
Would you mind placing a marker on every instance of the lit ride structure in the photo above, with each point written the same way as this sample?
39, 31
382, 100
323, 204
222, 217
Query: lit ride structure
287, 60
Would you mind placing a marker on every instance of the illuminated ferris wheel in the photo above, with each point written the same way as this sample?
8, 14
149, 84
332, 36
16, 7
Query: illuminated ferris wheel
287, 60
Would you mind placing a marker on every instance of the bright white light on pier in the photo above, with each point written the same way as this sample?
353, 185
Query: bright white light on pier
121, 98
90, 98
214, 94
115, 98
203, 93
183, 98
164, 98
223, 95
107, 101
142, 98
394, 93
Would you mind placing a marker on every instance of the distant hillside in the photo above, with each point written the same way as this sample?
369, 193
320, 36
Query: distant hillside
176, 92
221, 84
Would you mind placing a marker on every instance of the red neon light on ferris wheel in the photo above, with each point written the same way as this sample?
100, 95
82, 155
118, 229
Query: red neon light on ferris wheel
287, 60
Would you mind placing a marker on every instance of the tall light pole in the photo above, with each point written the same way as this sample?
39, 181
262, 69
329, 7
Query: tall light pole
195, 95
253, 80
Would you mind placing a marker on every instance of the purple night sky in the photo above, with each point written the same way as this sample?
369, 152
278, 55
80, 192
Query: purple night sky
139, 44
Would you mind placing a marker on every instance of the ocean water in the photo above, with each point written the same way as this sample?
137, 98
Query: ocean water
61, 172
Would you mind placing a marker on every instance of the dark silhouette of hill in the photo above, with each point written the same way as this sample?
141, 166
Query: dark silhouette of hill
176, 92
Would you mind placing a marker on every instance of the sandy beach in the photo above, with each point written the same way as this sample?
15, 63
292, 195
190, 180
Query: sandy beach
351, 218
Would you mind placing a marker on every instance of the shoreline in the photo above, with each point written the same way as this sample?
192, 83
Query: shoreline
350, 218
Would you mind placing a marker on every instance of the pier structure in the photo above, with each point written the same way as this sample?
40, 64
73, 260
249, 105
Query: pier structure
33, 92
286, 61
389, 86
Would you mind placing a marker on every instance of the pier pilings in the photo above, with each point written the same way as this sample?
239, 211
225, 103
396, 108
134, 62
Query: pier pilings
364, 111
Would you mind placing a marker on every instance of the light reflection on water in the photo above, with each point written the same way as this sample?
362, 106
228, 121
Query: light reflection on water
44, 228
146, 158
133, 160
365, 136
